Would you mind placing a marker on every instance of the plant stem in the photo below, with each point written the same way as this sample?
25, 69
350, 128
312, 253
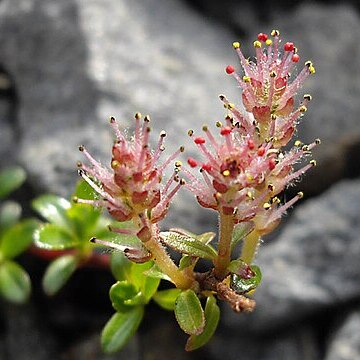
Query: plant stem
251, 243
166, 265
224, 247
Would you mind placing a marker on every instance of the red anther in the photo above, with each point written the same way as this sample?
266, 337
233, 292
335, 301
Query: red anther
192, 162
261, 151
251, 144
225, 130
229, 69
199, 140
295, 58
289, 46
206, 167
272, 164
262, 37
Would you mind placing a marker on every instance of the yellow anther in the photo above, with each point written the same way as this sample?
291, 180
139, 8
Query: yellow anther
302, 108
308, 97
257, 44
226, 173
218, 196
272, 74
308, 63
137, 116
249, 177
246, 79
236, 44
298, 143
295, 50
276, 200
313, 162
182, 148
205, 128
312, 69
268, 42
266, 206
115, 164
300, 194
190, 132
230, 106
178, 164
275, 33
249, 194
317, 141
218, 124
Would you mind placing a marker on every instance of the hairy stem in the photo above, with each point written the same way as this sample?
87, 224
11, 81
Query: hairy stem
224, 247
166, 265
251, 243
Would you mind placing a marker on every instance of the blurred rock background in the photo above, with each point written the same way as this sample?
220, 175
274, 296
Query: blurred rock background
66, 66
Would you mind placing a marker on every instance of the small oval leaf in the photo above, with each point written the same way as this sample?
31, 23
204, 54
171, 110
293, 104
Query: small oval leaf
187, 245
120, 328
243, 285
120, 294
212, 316
18, 238
189, 313
53, 237
166, 298
11, 179
52, 208
15, 285
58, 273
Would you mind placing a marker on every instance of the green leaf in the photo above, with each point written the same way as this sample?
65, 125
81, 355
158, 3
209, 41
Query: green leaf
120, 328
147, 285
120, 266
11, 179
53, 237
15, 285
187, 245
58, 273
84, 191
166, 298
10, 213
120, 294
189, 313
186, 261
243, 285
240, 231
212, 316
53, 209
82, 219
156, 273
206, 238
18, 238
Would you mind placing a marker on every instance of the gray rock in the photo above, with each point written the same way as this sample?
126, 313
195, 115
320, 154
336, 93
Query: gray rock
314, 264
76, 62
90, 348
345, 342
296, 344
26, 336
